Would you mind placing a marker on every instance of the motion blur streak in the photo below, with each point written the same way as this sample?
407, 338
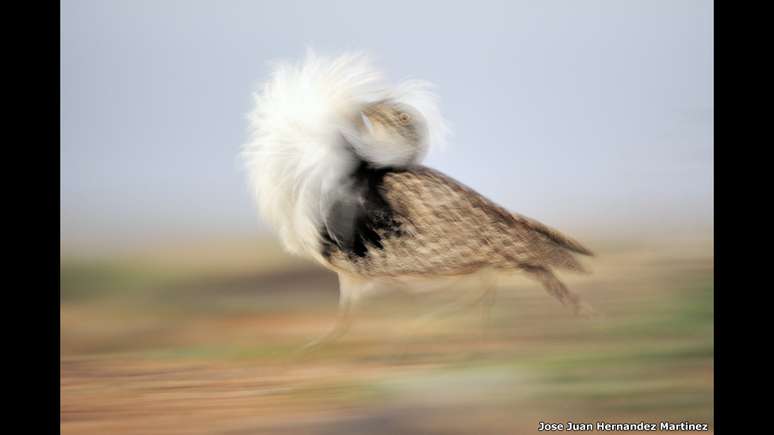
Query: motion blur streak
207, 343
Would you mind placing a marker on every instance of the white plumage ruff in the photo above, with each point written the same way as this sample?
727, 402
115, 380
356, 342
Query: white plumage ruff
295, 157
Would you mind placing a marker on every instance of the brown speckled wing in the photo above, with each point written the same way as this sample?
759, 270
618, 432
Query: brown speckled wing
447, 228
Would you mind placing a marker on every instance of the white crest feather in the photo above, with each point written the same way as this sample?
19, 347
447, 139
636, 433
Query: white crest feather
296, 158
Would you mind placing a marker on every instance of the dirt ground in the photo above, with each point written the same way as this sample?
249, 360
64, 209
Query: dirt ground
197, 340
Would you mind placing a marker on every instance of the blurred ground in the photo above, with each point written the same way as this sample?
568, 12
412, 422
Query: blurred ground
204, 339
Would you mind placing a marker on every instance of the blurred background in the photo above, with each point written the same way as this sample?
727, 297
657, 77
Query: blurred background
180, 313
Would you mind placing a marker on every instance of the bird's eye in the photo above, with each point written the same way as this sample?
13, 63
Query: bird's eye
404, 118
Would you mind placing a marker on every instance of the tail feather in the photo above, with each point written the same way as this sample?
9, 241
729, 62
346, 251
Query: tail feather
557, 289
553, 235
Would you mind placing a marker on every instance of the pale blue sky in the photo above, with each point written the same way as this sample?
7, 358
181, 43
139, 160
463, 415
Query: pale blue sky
595, 116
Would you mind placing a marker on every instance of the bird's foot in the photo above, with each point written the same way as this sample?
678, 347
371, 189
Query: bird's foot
586, 311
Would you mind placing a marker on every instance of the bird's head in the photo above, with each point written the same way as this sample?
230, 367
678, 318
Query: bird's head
390, 122
388, 133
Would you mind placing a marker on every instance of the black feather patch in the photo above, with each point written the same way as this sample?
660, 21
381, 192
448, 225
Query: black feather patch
363, 218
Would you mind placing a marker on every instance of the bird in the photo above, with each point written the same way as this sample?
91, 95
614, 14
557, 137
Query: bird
334, 160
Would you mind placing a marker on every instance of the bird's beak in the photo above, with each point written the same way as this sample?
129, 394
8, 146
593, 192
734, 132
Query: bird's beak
367, 123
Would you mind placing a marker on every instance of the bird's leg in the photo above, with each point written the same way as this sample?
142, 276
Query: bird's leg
349, 295
489, 284
468, 299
